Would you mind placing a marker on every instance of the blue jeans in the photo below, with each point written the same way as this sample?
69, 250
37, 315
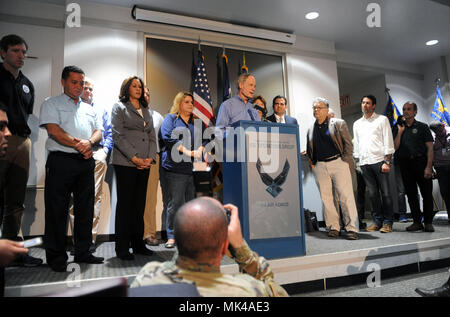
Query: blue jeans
378, 182
181, 189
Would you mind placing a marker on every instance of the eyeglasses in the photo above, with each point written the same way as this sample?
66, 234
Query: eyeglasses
318, 108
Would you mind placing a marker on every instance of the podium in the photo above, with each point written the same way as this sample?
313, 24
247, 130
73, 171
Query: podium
262, 177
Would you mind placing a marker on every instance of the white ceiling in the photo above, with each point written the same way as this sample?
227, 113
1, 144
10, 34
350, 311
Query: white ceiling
405, 24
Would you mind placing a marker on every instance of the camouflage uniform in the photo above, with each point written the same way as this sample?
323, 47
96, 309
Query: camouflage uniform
257, 282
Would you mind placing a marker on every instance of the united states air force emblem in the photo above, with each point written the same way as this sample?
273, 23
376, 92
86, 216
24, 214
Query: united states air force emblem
274, 185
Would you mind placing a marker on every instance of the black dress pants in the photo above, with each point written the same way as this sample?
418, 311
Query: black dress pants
131, 194
413, 176
443, 176
68, 173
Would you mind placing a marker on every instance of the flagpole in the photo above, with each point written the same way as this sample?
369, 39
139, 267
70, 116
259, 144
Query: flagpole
437, 82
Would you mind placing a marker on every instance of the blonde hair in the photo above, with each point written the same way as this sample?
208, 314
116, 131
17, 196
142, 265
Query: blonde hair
177, 101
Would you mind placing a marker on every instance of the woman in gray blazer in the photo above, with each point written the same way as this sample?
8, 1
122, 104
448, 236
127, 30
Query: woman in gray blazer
133, 153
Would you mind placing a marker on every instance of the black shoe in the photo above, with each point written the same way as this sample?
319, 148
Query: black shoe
416, 226
26, 261
91, 259
443, 291
143, 251
126, 257
92, 248
428, 227
58, 267
362, 225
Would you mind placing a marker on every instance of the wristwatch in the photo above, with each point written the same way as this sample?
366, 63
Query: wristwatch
387, 162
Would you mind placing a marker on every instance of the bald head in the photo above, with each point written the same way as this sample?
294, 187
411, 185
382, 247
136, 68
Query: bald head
201, 229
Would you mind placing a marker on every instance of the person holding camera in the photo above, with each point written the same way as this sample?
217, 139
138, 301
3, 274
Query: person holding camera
413, 144
204, 234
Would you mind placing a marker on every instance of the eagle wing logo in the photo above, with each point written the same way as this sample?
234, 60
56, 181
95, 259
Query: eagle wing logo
274, 185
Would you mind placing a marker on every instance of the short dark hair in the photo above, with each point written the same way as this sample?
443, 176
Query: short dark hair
2, 106
371, 97
70, 69
200, 237
276, 97
11, 40
436, 125
124, 95
411, 103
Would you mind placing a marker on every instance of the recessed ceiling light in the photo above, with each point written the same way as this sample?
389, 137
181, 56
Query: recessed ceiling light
433, 42
312, 15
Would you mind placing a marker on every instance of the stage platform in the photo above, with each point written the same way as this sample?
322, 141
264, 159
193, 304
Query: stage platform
329, 262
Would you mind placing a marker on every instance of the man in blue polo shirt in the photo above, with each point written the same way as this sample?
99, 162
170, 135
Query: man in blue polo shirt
73, 129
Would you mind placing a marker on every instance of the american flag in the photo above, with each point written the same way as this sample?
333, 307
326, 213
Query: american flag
202, 97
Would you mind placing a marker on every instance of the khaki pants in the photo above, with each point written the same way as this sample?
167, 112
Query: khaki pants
151, 200
14, 168
337, 173
99, 178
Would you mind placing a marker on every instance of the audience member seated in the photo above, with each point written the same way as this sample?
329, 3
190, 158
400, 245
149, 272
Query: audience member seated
204, 235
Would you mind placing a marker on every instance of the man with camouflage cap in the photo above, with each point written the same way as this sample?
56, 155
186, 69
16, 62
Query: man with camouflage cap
203, 237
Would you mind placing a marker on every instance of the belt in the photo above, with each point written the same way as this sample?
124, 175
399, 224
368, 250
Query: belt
331, 158
77, 156
412, 157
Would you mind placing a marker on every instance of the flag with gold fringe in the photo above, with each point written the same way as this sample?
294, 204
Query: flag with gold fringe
244, 68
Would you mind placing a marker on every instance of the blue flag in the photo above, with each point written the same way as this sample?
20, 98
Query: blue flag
440, 111
225, 78
391, 111
202, 97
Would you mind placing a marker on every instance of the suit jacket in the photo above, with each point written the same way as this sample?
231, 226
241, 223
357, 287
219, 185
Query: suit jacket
130, 135
341, 137
288, 119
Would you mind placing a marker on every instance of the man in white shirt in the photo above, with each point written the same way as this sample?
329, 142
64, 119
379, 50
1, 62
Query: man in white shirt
374, 146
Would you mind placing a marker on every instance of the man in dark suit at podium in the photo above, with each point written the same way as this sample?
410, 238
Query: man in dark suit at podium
279, 115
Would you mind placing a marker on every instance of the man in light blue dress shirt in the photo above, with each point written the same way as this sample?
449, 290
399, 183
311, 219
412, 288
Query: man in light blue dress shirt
73, 128
239, 107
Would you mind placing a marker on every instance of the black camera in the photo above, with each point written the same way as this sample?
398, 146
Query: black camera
401, 121
228, 214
